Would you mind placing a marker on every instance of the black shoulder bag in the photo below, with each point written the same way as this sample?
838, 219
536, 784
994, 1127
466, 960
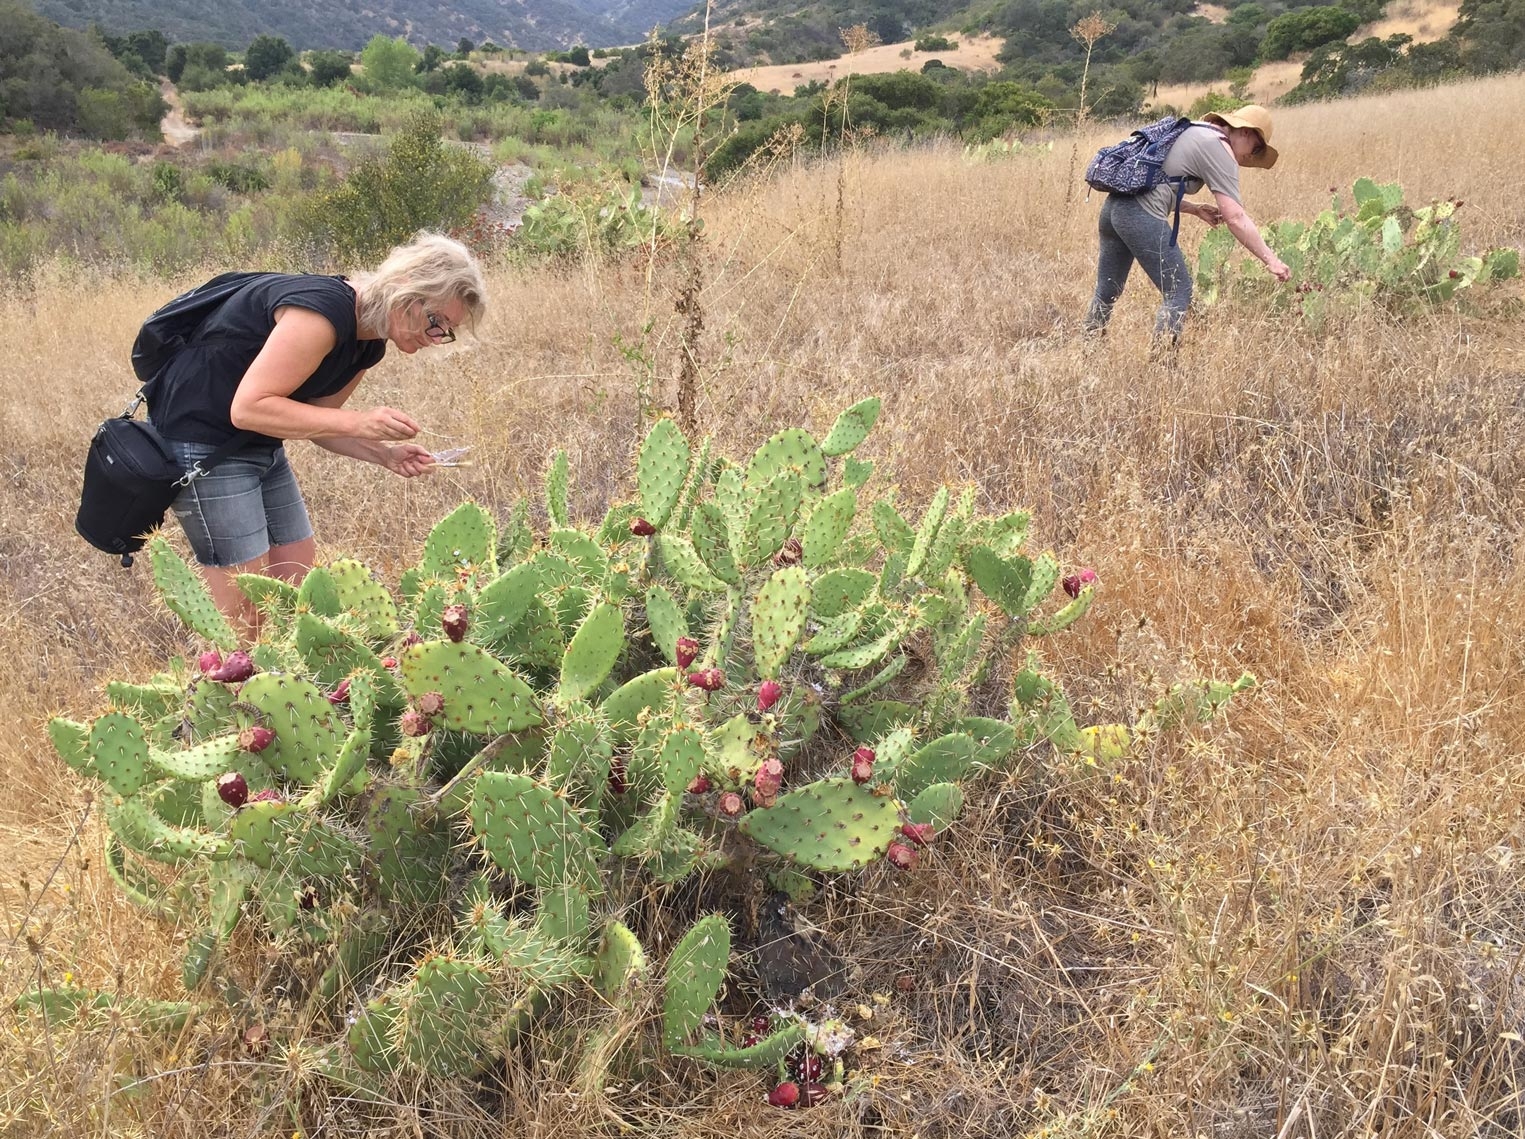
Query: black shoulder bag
131, 479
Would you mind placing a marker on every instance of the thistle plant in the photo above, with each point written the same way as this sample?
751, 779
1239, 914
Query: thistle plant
763, 665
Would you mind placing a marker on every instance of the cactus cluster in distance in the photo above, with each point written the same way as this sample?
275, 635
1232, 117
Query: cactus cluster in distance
638, 701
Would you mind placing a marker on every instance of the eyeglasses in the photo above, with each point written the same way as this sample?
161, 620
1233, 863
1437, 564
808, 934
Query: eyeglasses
437, 332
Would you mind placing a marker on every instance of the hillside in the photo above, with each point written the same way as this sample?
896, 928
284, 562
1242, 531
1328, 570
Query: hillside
534, 25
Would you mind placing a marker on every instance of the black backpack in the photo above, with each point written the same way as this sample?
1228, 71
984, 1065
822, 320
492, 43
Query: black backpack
131, 479
170, 326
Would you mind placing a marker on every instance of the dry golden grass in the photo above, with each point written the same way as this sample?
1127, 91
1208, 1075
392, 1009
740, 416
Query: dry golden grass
1306, 923
974, 53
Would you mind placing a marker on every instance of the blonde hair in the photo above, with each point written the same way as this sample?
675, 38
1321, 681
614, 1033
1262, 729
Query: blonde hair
431, 270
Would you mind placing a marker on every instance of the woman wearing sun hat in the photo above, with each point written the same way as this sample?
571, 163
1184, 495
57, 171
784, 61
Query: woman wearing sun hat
1137, 228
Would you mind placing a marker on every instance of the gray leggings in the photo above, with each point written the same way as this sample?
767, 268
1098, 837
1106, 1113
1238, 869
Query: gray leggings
1131, 233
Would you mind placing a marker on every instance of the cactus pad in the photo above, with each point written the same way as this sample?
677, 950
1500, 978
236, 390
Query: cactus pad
661, 471
695, 971
140, 828
625, 704
778, 619
938, 804
851, 427
592, 653
480, 694
465, 540
827, 525
532, 831
684, 563
119, 753
793, 450
308, 733
773, 513
946, 759
187, 596
206, 760
833, 824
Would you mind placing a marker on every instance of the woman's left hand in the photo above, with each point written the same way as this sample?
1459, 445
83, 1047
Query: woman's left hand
1209, 214
408, 460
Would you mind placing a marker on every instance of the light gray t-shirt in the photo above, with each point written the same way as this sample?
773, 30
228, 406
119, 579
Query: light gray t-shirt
1201, 156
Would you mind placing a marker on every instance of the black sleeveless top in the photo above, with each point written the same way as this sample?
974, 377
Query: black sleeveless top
192, 396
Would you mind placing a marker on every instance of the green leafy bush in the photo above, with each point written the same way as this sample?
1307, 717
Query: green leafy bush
934, 43
1306, 28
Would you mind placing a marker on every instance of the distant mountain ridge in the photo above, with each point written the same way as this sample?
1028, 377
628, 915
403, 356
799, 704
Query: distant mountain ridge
534, 25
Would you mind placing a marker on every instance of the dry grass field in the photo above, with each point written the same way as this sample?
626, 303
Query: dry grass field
974, 53
1307, 922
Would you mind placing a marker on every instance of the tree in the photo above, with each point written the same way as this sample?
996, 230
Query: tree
464, 47
421, 183
578, 56
208, 58
388, 64
433, 56
149, 46
325, 68
267, 56
464, 80
1306, 28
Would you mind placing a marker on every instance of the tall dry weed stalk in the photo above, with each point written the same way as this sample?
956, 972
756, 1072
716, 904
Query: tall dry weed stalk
682, 93
1086, 31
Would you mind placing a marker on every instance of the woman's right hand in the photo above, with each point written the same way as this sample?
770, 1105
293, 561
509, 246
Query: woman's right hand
1278, 269
385, 423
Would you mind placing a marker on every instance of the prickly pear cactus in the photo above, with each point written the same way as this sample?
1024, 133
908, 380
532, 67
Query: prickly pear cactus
597, 712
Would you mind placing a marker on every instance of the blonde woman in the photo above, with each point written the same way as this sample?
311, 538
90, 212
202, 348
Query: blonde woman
281, 359
1137, 228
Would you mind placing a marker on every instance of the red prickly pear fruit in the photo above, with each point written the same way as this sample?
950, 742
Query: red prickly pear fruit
809, 1067
340, 694
268, 795
389, 663
209, 662
685, 651
731, 805
761, 1023
642, 528
709, 679
255, 739
701, 785
768, 693
232, 789
767, 781
309, 898
235, 668
413, 723
814, 1093
431, 704
787, 1094
1455, 274
618, 782
455, 622
919, 833
901, 856
1075, 582
411, 639
789, 553
863, 765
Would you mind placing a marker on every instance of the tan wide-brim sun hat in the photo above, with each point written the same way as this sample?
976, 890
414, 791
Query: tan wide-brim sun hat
1258, 119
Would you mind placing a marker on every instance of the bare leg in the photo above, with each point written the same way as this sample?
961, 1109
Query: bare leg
289, 563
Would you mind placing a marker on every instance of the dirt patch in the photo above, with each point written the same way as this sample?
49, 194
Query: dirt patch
974, 53
176, 129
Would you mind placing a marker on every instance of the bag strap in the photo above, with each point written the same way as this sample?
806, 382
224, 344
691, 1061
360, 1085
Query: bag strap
201, 467
1175, 230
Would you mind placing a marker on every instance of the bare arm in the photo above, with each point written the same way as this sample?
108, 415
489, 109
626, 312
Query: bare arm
1243, 227
406, 459
293, 351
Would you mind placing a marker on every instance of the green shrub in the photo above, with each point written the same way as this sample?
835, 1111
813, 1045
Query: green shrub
935, 43
1306, 28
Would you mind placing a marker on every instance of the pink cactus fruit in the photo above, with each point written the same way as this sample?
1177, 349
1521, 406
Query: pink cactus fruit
768, 693
767, 781
642, 528
235, 668
255, 739
761, 1023
709, 679
388, 663
685, 651
863, 765
413, 723
814, 1093
268, 795
340, 694
232, 789
731, 805
805, 1065
786, 1094
700, 785
919, 833
431, 704
1075, 582
901, 856
209, 662
455, 622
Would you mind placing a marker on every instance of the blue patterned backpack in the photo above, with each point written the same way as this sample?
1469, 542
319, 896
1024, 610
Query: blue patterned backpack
1136, 164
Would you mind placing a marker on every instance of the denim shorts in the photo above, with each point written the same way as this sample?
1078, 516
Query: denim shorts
248, 503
